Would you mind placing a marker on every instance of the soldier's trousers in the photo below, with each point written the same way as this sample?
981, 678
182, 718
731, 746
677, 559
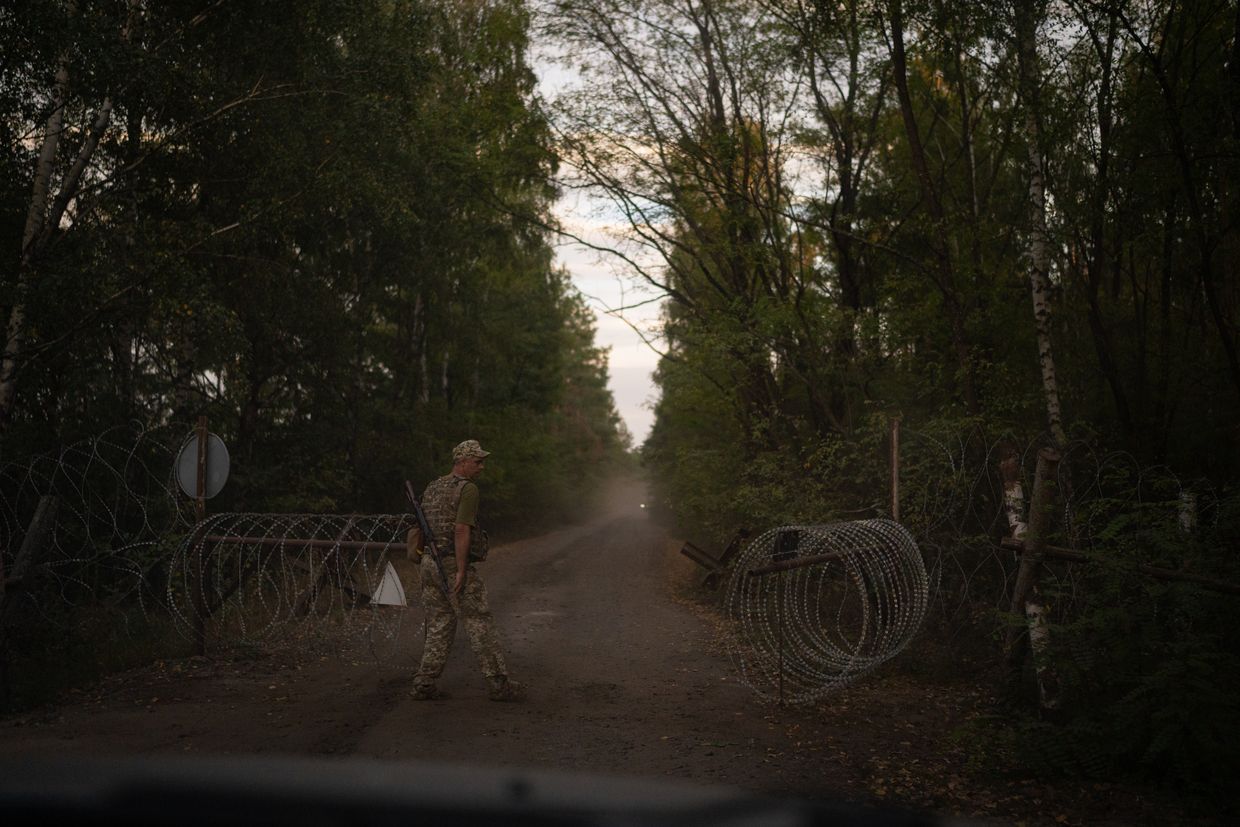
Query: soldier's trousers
441, 622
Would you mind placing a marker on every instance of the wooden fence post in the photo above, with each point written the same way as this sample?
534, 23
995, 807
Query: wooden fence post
37, 535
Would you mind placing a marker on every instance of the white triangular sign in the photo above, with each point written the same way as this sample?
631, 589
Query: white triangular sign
390, 592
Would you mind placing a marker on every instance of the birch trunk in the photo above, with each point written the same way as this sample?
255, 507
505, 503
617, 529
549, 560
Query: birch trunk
1039, 251
1035, 608
1013, 497
41, 223
43, 220
1040, 644
1025, 596
1187, 512
36, 217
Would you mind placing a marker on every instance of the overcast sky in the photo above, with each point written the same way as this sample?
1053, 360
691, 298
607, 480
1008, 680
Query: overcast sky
606, 287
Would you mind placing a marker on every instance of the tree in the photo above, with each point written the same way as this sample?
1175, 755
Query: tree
324, 231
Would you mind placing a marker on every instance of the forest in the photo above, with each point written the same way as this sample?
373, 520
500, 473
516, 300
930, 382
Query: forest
1000, 228
314, 228
1001, 231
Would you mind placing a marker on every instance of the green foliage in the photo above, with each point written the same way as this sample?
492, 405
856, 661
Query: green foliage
879, 286
313, 229
1176, 721
1147, 667
324, 230
899, 285
1171, 725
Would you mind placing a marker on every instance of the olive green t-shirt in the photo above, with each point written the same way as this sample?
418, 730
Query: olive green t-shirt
467, 508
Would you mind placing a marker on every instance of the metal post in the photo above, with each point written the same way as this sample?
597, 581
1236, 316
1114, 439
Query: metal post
200, 507
895, 469
199, 597
779, 613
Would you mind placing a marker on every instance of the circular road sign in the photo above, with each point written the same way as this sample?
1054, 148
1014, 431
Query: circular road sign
187, 466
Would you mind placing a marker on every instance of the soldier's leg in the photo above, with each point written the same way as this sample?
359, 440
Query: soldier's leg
480, 626
440, 626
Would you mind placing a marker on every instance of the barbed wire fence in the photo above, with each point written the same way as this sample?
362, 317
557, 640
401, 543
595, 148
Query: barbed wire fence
108, 510
955, 505
258, 577
102, 525
852, 604
121, 538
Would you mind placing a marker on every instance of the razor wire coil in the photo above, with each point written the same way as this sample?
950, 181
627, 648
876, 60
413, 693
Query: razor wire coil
113, 505
259, 576
813, 608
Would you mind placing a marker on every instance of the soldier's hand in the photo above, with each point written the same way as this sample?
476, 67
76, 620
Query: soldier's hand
459, 585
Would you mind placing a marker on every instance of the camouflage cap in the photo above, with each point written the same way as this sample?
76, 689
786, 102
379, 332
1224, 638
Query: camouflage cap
468, 448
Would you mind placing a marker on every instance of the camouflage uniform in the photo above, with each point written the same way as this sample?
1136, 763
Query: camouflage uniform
441, 623
440, 504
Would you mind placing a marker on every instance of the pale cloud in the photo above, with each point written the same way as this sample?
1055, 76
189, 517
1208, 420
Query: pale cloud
608, 284
635, 395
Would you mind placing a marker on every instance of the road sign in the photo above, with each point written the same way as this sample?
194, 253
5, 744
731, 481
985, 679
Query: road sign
390, 592
187, 466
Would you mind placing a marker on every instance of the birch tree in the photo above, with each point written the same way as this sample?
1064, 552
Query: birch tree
1027, 17
52, 193
71, 176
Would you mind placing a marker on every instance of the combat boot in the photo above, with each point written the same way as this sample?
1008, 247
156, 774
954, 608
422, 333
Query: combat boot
500, 688
427, 692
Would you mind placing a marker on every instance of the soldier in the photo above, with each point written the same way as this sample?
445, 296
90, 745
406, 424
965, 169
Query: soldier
451, 507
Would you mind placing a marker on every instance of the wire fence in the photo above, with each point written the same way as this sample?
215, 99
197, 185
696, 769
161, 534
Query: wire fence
257, 577
111, 512
962, 492
123, 538
955, 503
102, 524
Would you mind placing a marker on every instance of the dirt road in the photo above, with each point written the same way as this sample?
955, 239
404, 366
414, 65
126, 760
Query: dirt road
625, 677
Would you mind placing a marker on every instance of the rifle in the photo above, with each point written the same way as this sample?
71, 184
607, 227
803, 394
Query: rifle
428, 539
